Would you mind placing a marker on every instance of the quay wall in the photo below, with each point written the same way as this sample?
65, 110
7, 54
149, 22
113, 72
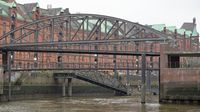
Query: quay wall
180, 84
41, 85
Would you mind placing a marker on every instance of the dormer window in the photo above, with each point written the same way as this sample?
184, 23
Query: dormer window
62, 11
34, 9
14, 5
37, 6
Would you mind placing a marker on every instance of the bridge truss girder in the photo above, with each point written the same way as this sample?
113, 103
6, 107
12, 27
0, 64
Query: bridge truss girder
79, 27
83, 34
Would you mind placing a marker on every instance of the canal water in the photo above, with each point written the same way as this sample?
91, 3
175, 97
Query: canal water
93, 104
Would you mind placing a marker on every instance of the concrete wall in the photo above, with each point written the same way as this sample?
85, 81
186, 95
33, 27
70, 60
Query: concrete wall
1, 81
178, 83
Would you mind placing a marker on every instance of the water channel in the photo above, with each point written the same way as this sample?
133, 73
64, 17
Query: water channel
94, 104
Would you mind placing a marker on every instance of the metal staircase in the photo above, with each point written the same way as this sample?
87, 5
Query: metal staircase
95, 77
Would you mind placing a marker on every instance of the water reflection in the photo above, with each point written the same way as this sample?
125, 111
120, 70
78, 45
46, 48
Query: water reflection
92, 104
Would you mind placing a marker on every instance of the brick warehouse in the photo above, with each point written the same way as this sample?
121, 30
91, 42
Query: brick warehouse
187, 37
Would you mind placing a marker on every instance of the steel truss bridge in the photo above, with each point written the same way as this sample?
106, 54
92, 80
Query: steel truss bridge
101, 43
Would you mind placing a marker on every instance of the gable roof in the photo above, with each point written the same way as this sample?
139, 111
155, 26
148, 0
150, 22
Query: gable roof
158, 27
171, 28
23, 12
190, 27
30, 6
50, 12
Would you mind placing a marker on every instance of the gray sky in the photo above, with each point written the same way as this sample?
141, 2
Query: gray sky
169, 12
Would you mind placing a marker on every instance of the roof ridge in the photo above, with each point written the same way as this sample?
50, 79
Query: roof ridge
31, 3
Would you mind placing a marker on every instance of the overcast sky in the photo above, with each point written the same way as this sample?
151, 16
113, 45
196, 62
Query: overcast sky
169, 12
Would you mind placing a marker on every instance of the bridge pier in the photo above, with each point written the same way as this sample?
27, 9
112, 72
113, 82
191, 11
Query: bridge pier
6, 60
63, 87
148, 79
143, 79
69, 87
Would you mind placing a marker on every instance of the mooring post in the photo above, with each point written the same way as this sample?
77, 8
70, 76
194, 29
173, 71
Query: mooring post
143, 78
63, 87
69, 87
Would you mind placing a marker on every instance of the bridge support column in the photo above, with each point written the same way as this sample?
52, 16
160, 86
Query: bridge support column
128, 82
149, 81
69, 87
6, 60
143, 78
115, 64
63, 88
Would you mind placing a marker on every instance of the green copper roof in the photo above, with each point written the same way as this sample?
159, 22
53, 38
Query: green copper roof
158, 27
5, 9
19, 17
180, 31
171, 28
3, 12
195, 33
188, 33
4, 3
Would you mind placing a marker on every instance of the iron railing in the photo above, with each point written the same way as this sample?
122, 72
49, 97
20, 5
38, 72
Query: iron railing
23, 66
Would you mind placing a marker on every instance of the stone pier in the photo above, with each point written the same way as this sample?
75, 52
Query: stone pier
69, 87
63, 87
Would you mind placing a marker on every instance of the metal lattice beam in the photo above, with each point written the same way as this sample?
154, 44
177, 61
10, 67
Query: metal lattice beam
126, 29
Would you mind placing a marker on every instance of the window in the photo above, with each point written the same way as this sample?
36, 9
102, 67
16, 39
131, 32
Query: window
3, 32
173, 61
4, 27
